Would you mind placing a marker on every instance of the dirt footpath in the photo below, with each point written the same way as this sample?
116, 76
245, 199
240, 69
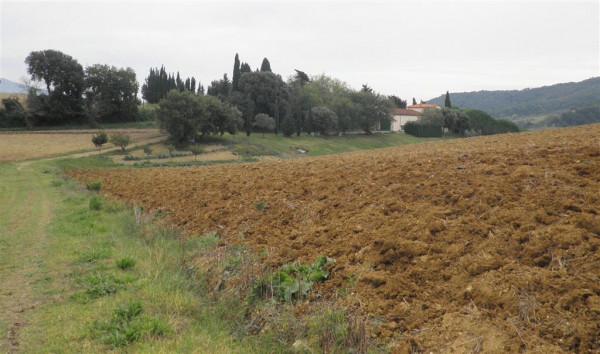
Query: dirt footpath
484, 244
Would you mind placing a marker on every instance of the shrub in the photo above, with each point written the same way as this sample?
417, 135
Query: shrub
293, 281
423, 129
126, 263
95, 203
120, 140
196, 150
94, 186
99, 139
147, 150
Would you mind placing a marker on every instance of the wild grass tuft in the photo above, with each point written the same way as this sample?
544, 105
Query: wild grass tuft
95, 203
94, 186
128, 325
125, 263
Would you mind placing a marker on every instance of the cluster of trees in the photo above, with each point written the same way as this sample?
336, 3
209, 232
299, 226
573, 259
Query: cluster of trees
187, 116
458, 122
159, 83
265, 102
98, 94
72, 94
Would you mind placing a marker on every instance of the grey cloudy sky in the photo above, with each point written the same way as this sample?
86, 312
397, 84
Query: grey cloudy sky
415, 48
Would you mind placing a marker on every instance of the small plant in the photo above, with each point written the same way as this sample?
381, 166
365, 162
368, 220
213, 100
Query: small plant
56, 183
99, 139
126, 263
262, 206
99, 285
95, 203
294, 281
128, 325
196, 150
120, 140
94, 186
147, 150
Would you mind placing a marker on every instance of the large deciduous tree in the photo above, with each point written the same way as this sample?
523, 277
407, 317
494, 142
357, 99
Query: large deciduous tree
268, 94
111, 94
63, 77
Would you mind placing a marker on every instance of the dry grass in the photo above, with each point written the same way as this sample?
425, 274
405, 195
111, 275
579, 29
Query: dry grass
32, 145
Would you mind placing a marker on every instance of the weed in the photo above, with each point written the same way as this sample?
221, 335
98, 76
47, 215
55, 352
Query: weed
128, 325
94, 186
56, 183
95, 203
126, 263
333, 331
99, 285
262, 206
293, 281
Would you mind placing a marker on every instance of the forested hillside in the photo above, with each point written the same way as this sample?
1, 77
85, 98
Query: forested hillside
516, 104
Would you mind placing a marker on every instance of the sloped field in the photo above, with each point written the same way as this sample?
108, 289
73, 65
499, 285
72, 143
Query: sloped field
15, 146
486, 244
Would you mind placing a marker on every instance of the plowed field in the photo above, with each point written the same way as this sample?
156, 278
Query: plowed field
484, 244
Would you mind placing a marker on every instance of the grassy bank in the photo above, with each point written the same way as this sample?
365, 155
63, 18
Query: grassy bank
271, 144
84, 275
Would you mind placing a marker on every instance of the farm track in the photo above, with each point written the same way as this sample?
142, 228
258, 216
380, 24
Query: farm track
25, 213
484, 244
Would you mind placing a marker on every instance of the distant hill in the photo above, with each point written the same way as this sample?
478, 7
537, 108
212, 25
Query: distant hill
7, 86
541, 101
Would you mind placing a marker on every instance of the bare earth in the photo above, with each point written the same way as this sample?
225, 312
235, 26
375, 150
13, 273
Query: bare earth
487, 244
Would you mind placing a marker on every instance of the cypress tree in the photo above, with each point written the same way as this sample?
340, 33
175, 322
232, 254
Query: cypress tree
193, 85
187, 84
447, 102
245, 68
414, 101
265, 66
200, 89
178, 83
235, 78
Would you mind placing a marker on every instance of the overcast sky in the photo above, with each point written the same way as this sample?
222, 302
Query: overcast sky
419, 48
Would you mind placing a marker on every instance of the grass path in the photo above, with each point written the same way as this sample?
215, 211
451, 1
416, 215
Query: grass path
25, 212
63, 291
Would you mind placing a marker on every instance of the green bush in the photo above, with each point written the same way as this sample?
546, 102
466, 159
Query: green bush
293, 281
99, 139
95, 203
120, 140
423, 130
94, 186
126, 263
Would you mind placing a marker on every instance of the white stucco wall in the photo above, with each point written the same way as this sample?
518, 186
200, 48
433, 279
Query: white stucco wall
399, 121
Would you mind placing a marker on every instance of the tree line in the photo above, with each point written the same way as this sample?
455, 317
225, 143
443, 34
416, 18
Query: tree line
72, 94
261, 100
